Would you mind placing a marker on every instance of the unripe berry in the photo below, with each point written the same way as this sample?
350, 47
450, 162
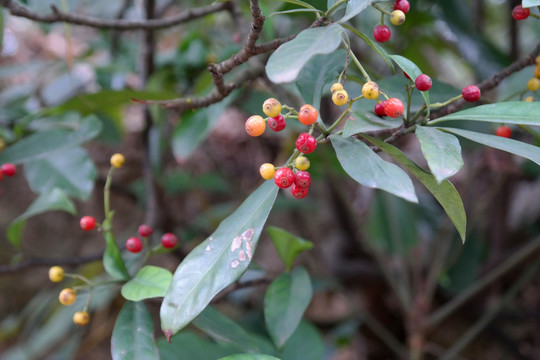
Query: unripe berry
81, 318
379, 108
277, 123
471, 93
529, 99
336, 87
370, 90
423, 82
118, 160
302, 163
504, 131
134, 244
340, 97
520, 13
307, 114
255, 125
145, 230
67, 296
271, 107
267, 171
299, 192
169, 240
382, 33
537, 71
393, 107
87, 223
306, 143
533, 84
397, 17
56, 273
8, 169
302, 179
284, 177
402, 5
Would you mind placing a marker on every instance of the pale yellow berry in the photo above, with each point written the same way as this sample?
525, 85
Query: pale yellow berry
67, 296
81, 318
118, 160
302, 163
340, 97
533, 84
267, 171
529, 99
370, 90
56, 273
537, 71
397, 17
336, 87
271, 107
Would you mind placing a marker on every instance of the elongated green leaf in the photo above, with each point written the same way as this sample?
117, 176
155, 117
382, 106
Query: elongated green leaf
378, 49
370, 170
355, 7
287, 61
306, 344
15, 231
55, 199
217, 262
285, 302
445, 193
112, 259
187, 346
531, 3
363, 122
412, 70
294, 11
133, 334
525, 150
288, 245
249, 357
441, 150
511, 112
299, 3
149, 282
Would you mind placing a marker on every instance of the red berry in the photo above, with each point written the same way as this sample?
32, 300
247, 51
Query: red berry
393, 107
134, 244
8, 169
520, 13
471, 93
402, 5
169, 240
284, 177
299, 192
406, 75
379, 108
423, 82
382, 33
87, 223
504, 131
145, 230
302, 179
277, 123
306, 143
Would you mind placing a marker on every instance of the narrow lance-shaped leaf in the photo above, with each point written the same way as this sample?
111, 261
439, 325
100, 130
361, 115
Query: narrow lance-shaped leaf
355, 7
112, 258
445, 193
511, 112
288, 246
217, 262
412, 70
149, 282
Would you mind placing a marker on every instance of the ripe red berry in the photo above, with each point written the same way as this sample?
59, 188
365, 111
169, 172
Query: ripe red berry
299, 192
277, 123
423, 82
134, 244
504, 131
520, 13
169, 240
393, 107
306, 143
302, 179
402, 5
284, 177
382, 33
471, 93
406, 75
379, 108
145, 230
8, 169
87, 223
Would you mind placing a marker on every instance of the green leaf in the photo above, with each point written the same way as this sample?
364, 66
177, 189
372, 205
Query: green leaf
445, 193
285, 64
525, 150
362, 122
294, 11
305, 344
188, 346
15, 231
217, 262
288, 245
133, 334
249, 357
412, 70
370, 170
511, 112
285, 302
355, 7
441, 150
530, 3
299, 3
112, 259
149, 282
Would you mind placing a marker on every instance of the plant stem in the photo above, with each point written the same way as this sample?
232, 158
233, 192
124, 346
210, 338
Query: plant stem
339, 120
384, 11
334, 8
357, 62
107, 198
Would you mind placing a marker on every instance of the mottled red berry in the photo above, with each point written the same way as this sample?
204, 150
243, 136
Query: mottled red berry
471, 93
8, 169
393, 107
402, 5
299, 192
504, 131
284, 177
169, 240
379, 108
277, 123
306, 143
134, 244
382, 33
302, 179
423, 82
87, 223
520, 13
145, 230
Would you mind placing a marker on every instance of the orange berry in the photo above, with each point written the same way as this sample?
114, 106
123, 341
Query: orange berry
307, 114
255, 125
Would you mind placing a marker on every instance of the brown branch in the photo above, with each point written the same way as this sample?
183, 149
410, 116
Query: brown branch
16, 9
38, 261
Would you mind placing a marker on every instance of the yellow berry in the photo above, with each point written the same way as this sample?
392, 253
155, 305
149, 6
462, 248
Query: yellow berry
370, 90
67, 296
340, 97
255, 125
118, 160
537, 71
302, 163
538, 60
529, 99
271, 107
533, 84
397, 17
267, 171
81, 318
2, 144
56, 273
336, 87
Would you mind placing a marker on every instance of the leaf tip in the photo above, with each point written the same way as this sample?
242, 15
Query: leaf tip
168, 335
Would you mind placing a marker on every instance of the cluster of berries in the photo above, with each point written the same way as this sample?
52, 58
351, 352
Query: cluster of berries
382, 33
68, 296
135, 245
7, 169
